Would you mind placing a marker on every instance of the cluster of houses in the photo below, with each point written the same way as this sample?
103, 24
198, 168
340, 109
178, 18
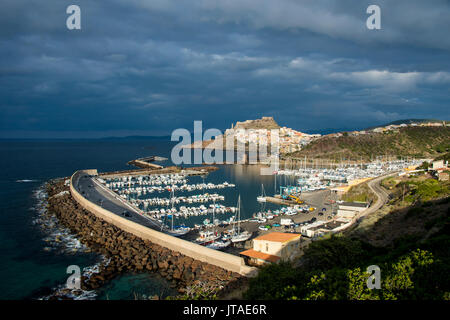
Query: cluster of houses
278, 246
441, 170
258, 132
290, 140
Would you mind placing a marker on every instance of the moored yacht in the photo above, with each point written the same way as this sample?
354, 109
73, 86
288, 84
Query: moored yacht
239, 235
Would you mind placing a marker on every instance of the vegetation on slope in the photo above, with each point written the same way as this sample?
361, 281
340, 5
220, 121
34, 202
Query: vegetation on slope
417, 142
411, 245
361, 193
339, 272
416, 189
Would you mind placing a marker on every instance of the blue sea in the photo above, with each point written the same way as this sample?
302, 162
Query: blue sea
36, 251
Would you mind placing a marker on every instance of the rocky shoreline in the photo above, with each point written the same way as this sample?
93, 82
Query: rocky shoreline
127, 253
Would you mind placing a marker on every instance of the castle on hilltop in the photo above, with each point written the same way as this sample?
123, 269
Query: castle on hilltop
263, 123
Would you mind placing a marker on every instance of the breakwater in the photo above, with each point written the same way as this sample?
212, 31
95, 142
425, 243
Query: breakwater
127, 252
227, 261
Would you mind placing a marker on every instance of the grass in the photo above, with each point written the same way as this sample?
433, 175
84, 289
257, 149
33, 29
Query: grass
411, 141
359, 193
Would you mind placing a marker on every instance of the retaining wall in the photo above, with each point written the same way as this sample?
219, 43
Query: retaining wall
221, 259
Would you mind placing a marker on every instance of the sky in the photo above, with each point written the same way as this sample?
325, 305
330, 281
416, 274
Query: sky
149, 67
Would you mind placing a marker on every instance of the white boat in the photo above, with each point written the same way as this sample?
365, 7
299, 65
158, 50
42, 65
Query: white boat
239, 236
207, 237
178, 230
217, 245
243, 236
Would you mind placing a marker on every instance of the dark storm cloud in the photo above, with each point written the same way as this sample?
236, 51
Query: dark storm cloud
148, 67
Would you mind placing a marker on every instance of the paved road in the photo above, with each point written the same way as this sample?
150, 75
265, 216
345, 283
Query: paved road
94, 192
380, 192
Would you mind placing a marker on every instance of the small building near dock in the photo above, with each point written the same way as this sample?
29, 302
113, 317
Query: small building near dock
273, 247
349, 210
320, 228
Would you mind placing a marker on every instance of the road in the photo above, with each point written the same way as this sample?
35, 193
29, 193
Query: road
380, 192
93, 191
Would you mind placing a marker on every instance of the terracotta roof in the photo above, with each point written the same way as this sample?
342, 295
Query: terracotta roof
278, 236
259, 255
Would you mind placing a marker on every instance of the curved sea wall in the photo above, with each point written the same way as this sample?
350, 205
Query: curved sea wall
123, 252
217, 258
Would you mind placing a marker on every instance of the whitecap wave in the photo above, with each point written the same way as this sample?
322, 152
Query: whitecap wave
26, 180
58, 237
61, 240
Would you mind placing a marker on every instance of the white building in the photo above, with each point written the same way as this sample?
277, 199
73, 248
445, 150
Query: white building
273, 247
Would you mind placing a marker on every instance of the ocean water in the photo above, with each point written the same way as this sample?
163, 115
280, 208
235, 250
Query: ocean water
36, 251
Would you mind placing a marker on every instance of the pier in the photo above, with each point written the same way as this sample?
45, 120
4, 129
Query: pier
279, 200
147, 162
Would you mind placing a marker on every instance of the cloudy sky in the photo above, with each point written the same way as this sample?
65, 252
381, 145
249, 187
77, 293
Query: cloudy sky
148, 67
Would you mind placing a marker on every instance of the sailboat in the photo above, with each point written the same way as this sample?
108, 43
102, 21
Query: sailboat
177, 230
208, 237
262, 197
218, 244
240, 236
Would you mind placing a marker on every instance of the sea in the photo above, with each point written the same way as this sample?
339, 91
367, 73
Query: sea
36, 250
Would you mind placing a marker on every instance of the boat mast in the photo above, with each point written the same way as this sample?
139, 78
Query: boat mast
239, 214
214, 208
173, 199
275, 184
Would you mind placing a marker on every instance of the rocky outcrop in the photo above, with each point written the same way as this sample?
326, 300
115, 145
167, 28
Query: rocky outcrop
263, 123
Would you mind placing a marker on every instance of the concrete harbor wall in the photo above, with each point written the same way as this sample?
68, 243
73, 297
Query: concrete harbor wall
145, 164
221, 259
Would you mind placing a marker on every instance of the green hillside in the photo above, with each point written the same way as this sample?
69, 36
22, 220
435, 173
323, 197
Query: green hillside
410, 244
419, 142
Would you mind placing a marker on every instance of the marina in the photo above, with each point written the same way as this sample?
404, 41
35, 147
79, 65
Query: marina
298, 178
194, 206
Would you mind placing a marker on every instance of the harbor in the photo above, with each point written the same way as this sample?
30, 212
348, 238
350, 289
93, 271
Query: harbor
198, 206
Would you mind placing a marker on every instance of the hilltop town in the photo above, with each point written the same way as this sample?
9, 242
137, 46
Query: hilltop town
293, 143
